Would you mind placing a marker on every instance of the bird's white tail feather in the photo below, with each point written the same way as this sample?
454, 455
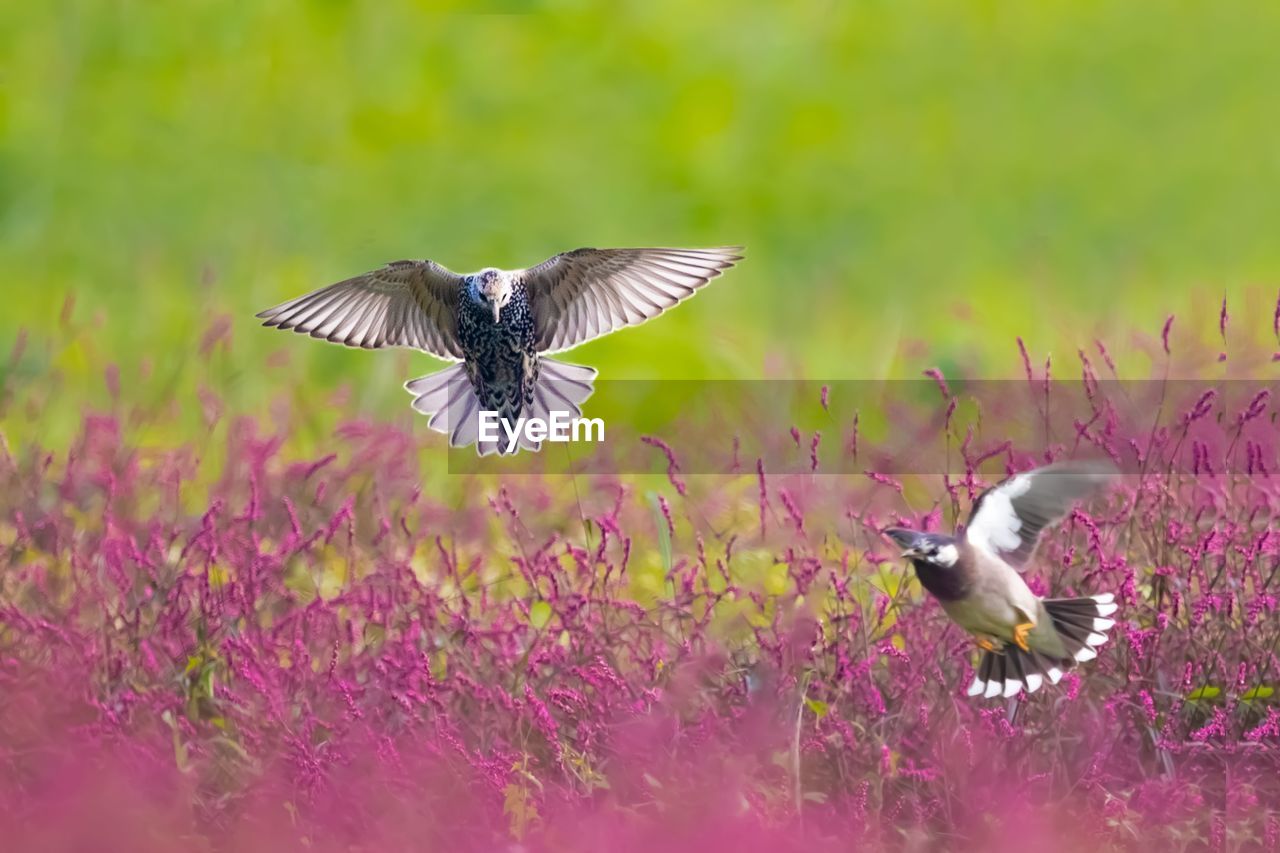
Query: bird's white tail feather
451, 402
1082, 625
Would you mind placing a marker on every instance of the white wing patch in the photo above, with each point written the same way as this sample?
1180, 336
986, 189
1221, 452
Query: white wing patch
995, 528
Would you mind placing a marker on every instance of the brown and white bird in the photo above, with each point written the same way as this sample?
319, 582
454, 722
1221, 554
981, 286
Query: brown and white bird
977, 579
500, 324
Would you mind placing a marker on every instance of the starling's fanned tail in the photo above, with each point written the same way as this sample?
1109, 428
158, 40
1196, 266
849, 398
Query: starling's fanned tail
562, 387
451, 401
447, 396
1082, 623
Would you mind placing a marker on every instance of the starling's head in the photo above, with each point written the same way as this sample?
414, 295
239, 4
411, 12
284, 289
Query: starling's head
932, 548
490, 287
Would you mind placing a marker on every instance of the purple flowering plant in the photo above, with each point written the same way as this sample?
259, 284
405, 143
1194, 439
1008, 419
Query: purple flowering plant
247, 648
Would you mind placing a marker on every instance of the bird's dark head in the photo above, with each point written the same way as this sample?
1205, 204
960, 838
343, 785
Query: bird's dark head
934, 549
491, 288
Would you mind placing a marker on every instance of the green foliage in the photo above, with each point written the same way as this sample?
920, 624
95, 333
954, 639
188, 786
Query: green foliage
539, 614
1204, 693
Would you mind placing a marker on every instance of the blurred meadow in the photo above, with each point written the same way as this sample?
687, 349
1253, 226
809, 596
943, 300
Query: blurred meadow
242, 608
916, 183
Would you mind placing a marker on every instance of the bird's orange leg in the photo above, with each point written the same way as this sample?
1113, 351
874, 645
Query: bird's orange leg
1020, 632
984, 642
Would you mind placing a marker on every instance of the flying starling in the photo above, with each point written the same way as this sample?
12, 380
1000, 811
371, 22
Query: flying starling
499, 324
977, 579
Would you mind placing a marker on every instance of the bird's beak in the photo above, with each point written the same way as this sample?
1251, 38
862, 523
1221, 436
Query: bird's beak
905, 539
497, 311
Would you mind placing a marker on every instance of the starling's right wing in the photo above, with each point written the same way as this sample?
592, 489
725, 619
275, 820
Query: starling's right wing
1008, 518
580, 295
405, 304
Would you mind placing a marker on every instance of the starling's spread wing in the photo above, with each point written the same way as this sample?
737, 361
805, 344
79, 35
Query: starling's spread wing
1008, 518
405, 304
580, 295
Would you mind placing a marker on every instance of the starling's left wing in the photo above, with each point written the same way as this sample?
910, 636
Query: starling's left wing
405, 304
1008, 518
580, 295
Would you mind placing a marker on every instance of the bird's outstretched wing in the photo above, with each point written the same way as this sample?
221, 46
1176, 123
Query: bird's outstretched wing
405, 304
580, 295
1008, 518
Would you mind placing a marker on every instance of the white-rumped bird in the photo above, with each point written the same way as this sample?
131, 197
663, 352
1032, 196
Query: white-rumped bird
977, 579
499, 324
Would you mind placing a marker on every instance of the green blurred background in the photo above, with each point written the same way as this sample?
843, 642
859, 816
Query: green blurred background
917, 183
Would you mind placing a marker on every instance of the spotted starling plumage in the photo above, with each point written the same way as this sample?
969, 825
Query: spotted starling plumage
500, 324
976, 577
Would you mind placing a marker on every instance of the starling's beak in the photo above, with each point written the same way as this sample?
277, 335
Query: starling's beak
497, 311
